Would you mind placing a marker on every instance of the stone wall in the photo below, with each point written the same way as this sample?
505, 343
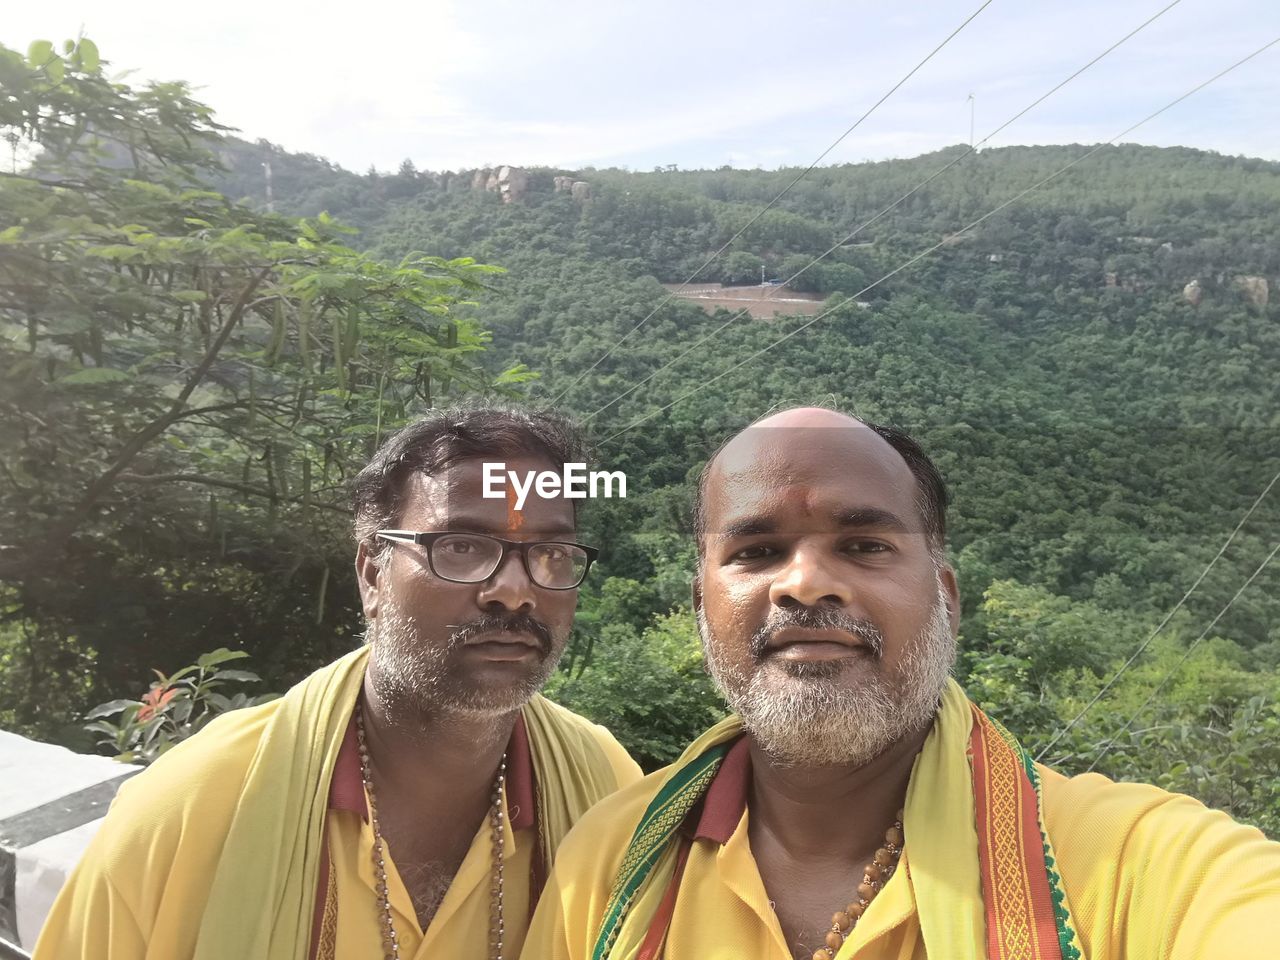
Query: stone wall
51, 803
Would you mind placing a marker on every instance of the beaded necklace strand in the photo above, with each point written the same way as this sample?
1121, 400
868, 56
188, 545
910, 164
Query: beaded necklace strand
390, 941
875, 875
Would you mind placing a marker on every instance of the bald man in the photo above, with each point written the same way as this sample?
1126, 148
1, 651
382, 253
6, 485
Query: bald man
857, 804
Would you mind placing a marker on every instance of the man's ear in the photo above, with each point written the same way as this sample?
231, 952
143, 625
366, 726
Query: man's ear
367, 574
951, 587
697, 592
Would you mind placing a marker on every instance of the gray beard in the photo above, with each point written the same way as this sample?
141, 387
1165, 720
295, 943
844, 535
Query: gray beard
411, 676
801, 715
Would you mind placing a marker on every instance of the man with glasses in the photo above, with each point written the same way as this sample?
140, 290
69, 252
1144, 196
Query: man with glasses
407, 800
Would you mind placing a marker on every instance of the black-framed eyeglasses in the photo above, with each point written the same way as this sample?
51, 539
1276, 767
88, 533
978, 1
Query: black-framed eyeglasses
475, 557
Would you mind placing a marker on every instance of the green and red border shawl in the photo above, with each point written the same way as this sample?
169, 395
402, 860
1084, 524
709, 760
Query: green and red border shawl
1021, 891
1025, 908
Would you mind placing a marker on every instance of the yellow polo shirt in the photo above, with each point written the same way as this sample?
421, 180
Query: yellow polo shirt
1149, 875
461, 922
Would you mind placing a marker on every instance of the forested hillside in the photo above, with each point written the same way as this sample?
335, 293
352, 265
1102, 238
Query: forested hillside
1095, 425
1094, 369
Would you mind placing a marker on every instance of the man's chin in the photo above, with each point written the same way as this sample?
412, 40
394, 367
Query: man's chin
841, 677
488, 701
495, 687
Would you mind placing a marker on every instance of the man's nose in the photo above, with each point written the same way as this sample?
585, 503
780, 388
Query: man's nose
509, 587
811, 577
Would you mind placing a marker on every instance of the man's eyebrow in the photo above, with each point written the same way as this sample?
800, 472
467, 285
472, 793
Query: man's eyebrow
871, 517
746, 527
858, 517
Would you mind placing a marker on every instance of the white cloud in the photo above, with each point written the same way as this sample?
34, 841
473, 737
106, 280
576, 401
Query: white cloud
575, 83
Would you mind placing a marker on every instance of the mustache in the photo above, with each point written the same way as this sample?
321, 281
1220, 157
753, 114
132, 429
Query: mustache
816, 618
504, 623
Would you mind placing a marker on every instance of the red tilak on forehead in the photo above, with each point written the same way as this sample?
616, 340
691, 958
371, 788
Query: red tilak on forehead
515, 518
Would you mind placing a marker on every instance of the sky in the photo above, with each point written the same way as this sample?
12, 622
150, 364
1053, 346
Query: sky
696, 83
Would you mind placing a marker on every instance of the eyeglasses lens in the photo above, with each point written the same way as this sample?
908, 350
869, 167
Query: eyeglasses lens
557, 566
469, 558
465, 558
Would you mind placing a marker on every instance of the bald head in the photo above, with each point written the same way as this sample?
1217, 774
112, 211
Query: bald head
780, 448
806, 417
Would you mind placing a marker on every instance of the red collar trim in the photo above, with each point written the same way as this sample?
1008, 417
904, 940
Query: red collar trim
346, 790
726, 798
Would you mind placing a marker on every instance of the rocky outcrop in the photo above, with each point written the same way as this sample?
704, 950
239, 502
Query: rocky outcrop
513, 183
1254, 289
510, 183
1193, 293
578, 189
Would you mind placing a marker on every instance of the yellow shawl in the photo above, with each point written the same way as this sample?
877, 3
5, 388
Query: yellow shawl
288, 784
214, 852
949, 862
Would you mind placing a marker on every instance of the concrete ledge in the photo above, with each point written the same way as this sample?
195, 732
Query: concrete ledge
50, 806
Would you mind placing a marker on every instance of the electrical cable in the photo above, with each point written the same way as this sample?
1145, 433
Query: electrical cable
1106, 747
949, 239
973, 148
1163, 623
765, 209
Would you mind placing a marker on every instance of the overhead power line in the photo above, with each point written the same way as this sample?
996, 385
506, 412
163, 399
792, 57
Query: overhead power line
973, 148
1106, 747
767, 207
1163, 623
924, 253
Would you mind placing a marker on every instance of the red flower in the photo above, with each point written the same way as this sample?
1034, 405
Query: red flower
155, 700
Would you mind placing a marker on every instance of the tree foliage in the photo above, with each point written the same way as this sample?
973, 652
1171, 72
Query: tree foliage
187, 382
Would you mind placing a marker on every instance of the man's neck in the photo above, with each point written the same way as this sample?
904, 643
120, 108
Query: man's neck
828, 813
433, 777
441, 755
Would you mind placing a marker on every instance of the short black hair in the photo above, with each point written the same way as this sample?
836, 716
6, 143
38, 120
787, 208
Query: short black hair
932, 497
452, 435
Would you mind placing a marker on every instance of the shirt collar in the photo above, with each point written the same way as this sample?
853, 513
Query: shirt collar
346, 789
726, 799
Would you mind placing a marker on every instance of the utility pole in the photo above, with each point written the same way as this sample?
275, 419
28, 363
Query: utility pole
762, 274
271, 203
973, 102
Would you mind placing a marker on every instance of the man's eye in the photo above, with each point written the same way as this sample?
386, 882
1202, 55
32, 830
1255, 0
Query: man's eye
461, 547
868, 546
757, 552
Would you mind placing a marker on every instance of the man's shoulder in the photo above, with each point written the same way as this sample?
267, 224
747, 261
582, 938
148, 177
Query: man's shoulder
574, 721
193, 784
598, 840
625, 770
1099, 826
1092, 802
1156, 874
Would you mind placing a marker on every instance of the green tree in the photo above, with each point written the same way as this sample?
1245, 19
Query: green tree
740, 268
648, 687
184, 379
